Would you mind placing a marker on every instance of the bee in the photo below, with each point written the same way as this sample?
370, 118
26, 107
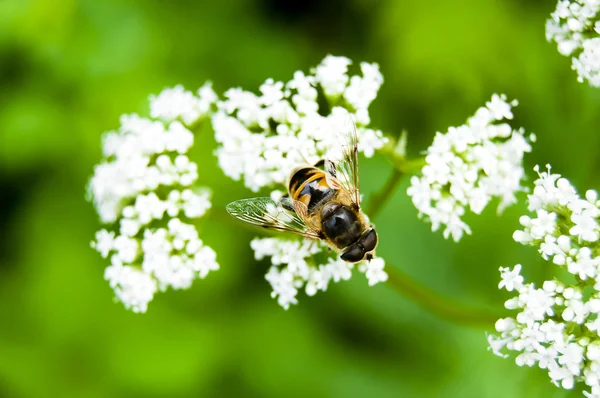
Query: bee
323, 203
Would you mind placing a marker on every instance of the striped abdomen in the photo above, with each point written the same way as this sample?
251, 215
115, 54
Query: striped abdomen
309, 186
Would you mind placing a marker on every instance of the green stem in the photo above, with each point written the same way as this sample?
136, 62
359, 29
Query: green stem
438, 304
407, 286
394, 151
402, 167
404, 284
379, 199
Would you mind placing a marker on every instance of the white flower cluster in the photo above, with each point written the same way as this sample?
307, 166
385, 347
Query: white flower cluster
468, 166
557, 327
575, 27
294, 268
263, 137
146, 184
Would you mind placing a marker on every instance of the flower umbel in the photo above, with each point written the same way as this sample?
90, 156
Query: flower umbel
557, 326
262, 138
146, 187
575, 27
468, 166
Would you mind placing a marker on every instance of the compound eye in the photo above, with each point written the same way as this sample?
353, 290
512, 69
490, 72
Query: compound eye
354, 255
369, 242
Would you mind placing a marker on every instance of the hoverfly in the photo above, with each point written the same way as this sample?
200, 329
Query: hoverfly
323, 203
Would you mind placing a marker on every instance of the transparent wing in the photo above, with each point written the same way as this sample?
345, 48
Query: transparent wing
286, 215
343, 165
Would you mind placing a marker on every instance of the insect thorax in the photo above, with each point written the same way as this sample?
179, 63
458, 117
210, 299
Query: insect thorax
341, 224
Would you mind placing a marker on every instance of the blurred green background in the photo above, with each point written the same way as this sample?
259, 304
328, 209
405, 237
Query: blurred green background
69, 68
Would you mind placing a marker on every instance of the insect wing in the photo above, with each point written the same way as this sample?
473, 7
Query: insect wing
343, 166
286, 215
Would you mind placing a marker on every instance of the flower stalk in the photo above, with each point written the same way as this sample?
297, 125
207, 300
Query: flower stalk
381, 197
417, 292
437, 304
395, 152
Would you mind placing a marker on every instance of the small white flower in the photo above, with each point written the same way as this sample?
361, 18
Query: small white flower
195, 203
470, 165
575, 311
272, 92
586, 227
318, 280
522, 237
572, 356
511, 280
127, 249
497, 344
547, 357
544, 224
585, 264
374, 271
500, 108
339, 270
305, 97
104, 242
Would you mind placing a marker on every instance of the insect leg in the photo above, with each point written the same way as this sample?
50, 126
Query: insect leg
286, 203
